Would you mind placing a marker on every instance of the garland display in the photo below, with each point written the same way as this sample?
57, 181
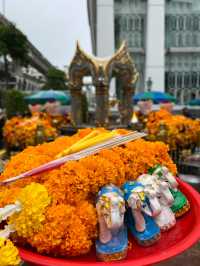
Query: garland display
21, 132
57, 212
177, 131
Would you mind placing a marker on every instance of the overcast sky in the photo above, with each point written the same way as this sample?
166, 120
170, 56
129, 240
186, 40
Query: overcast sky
53, 26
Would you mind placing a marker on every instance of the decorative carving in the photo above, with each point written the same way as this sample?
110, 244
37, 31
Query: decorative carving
102, 70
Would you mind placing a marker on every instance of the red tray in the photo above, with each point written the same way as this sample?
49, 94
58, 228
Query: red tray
180, 238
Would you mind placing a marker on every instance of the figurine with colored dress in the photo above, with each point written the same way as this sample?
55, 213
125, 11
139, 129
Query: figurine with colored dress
113, 240
159, 189
181, 205
139, 214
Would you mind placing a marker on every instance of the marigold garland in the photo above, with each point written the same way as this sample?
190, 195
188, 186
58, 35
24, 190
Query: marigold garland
115, 158
69, 222
64, 233
9, 255
176, 130
21, 132
101, 172
69, 184
34, 199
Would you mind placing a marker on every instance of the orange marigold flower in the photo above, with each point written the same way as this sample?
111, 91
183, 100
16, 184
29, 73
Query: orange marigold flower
68, 184
70, 222
175, 130
21, 132
63, 233
114, 158
87, 213
101, 172
8, 195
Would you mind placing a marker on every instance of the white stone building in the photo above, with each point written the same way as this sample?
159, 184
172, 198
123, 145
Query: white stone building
162, 35
30, 78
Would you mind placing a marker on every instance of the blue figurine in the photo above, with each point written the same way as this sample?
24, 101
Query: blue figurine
113, 240
139, 214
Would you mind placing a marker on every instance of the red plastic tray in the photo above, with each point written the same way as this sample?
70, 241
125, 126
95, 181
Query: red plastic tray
180, 238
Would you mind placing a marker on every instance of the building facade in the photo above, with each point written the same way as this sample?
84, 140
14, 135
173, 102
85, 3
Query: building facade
162, 35
30, 78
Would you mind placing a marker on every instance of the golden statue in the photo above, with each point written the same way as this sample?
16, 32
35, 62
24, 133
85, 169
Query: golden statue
102, 70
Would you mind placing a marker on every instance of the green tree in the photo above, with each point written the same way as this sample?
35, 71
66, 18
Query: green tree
14, 103
56, 80
13, 44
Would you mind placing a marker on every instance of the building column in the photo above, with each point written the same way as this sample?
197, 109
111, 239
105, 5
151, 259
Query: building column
182, 80
101, 114
76, 106
174, 92
176, 83
105, 28
105, 32
182, 96
155, 44
127, 105
198, 80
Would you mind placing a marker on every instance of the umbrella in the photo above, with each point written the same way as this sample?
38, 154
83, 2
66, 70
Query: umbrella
195, 102
155, 96
42, 97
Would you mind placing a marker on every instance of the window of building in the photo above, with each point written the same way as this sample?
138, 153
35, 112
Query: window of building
188, 39
166, 80
142, 24
125, 24
184, 22
186, 80
136, 44
194, 80
180, 40
179, 80
195, 40
193, 95
171, 80
130, 40
137, 24
167, 23
173, 23
188, 23
196, 23
131, 24
177, 22
198, 80
118, 2
181, 23
199, 22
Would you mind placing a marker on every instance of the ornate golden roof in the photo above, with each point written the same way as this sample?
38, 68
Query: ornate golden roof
102, 69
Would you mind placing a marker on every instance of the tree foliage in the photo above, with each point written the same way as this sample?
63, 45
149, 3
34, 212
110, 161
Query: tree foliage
14, 103
56, 80
13, 44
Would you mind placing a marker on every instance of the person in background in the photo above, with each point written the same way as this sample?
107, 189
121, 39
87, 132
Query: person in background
52, 107
35, 108
186, 112
168, 106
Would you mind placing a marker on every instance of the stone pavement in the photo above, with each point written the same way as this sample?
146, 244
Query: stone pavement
190, 257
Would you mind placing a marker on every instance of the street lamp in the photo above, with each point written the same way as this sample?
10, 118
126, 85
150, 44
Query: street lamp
149, 84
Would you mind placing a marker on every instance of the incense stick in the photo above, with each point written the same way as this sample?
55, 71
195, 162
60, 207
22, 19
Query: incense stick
114, 142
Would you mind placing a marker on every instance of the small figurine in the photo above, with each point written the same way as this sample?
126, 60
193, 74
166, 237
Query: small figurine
154, 186
113, 240
139, 220
181, 205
